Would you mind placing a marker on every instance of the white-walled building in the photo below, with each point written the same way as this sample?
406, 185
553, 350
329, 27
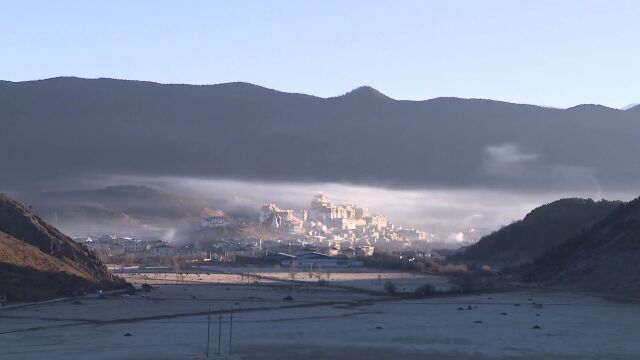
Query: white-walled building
163, 251
213, 222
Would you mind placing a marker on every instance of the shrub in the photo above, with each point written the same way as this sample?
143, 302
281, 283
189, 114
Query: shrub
425, 290
450, 269
418, 266
390, 287
470, 282
467, 282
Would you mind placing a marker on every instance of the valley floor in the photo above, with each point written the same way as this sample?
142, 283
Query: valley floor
319, 322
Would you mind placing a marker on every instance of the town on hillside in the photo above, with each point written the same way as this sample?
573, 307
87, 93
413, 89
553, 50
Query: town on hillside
324, 233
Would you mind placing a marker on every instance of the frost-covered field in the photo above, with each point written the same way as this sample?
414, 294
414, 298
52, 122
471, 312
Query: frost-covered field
359, 278
320, 322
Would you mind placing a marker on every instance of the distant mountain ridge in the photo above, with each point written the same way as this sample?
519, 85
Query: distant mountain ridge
542, 229
37, 261
66, 128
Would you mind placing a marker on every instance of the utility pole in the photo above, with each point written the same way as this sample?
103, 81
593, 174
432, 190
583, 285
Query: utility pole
230, 328
220, 334
208, 330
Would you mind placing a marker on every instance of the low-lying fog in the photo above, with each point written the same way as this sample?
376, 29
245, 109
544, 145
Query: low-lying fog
418, 207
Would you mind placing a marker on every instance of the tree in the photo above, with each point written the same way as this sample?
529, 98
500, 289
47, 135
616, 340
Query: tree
390, 287
425, 290
292, 271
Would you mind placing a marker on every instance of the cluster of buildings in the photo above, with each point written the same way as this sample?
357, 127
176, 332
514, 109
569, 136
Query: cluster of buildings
316, 261
215, 222
324, 234
111, 246
300, 253
328, 222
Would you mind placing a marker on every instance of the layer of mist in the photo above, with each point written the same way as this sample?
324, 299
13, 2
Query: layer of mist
450, 209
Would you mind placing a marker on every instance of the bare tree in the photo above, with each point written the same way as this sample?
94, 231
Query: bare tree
292, 271
129, 259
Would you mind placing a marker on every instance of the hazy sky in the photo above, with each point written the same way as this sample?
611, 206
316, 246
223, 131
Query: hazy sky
556, 53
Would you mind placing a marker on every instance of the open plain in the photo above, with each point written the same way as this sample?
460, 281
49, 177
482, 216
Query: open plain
247, 318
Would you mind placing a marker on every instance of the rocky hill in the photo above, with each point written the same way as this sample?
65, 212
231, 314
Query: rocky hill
542, 229
604, 258
39, 262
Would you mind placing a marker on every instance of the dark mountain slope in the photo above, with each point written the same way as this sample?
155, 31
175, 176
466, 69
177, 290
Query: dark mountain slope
122, 208
140, 202
604, 258
540, 230
57, 128
37, 261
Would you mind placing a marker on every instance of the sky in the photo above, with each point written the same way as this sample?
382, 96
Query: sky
552, 53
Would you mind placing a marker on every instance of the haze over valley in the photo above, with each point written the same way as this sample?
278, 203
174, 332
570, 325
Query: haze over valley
319, 180
447, 162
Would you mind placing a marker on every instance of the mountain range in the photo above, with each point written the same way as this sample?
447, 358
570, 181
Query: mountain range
60, 129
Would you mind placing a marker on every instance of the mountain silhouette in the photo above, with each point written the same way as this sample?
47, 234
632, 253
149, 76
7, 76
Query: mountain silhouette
542, 229
60, 129
601, 258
